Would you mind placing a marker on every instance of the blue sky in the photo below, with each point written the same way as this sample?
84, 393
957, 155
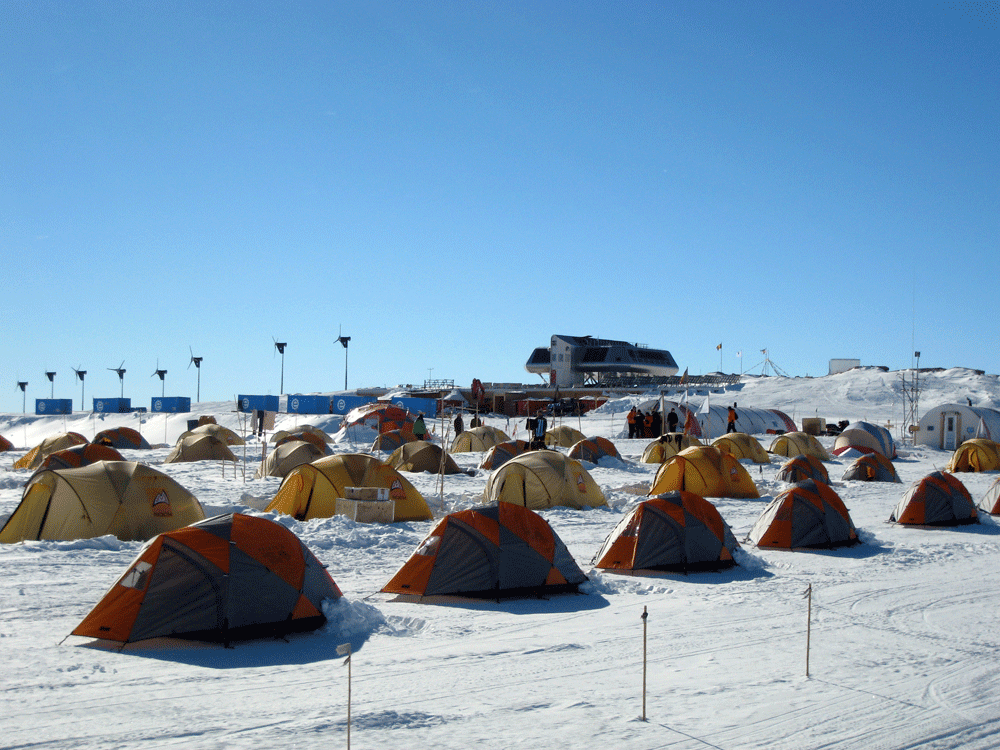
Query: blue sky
454, 182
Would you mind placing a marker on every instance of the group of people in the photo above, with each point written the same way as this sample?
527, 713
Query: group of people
649, 425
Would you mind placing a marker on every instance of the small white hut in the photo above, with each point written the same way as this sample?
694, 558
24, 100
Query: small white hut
949, 425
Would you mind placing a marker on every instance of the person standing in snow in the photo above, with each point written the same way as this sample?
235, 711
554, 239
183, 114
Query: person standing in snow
419, 428
672, 423
731, 425
640, 423
459, 425
631, 422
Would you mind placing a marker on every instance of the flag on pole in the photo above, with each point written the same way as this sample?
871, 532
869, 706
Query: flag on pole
981, 431
719, 347
684, 377
705, 407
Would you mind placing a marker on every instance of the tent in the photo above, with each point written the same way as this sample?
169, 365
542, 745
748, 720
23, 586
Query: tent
674, 531
199, 447
33, 458
807, 514
478, 439
706, 471
939, 499
975, 455
543, 479
122, 438
593, 450
311, 490
299, 431
947, 426
81, 455
127, 499
286, 456
495, 551
662, 449
391, 440
5, 444
872, 467
501, 453
217, 431
751, 420
991, 500
743, 447
866, 438
798, 444
380, 416
222, 579
420, 456
563, 436
305, 436
803, 467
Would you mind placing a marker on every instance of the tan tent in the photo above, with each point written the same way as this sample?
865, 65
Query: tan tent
742, 446
391, 440
286, 456
420, 456
311, 490
217, 431
478, 439
563, 436
704, 470
302, 428
593, 450
124, 498
543, 479
978, 454
33, 458
798, 444
662, 449
199, 448
306, 437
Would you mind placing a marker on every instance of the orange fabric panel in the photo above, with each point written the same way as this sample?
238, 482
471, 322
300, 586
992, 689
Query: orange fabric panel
555, 578
676, 512
484, 525
304, 608
621, 555
115, 614
412, 578
206, 544
531, 527
271, 544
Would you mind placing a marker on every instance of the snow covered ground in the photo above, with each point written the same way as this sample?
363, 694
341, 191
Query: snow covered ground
905, 629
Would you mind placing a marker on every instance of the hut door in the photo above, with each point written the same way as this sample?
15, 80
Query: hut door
948, 441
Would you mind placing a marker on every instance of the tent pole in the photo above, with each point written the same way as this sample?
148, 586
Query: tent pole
644, 615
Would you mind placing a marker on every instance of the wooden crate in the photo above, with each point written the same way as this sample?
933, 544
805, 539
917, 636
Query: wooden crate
367, 511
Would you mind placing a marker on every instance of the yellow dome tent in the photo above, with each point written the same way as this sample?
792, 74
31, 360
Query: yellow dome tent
793, 444
593, 450
33, 458
217, 431
311, 490
420, 456
661, 450
563, 436
704, 470
128, 499
543, 479
478, 439
978, 454
286, 456
199, 447
742, 446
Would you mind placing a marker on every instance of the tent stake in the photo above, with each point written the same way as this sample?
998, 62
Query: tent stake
644, 615
809, 595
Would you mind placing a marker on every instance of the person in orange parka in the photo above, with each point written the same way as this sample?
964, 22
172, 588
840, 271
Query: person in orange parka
631, 422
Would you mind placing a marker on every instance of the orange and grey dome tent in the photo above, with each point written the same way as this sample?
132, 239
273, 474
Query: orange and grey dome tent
593, 450
801, 468
286, 456
81, 455
127, 499
742, 446
661, 449
380, 416
977, 454
495, 551
33, 458
543, 479
674, 531
199, 447
5, 444
991, 500
705, 471
391, 440
420, 456
563, 436
872, 467
223, 579
121, 437
939, 499
501, 453
311, 490
807, 514
478, 439
217, 431
793, 444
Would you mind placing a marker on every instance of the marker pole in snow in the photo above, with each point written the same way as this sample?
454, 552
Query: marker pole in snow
342, 650
808, 594
644, 615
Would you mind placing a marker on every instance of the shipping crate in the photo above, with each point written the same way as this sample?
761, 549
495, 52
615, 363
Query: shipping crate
367, 511
813, 425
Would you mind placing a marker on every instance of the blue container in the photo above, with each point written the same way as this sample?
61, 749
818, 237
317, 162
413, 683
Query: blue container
343, 404
426, 405
308, 404
53, 406
112, 405
257, 403
171, 404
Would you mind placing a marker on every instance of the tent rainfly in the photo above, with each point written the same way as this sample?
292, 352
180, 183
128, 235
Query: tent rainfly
33, 458
543, 479
798, 444
743, 447
592, 450
939, 499
977, 454
478, 439
705, 471
501, 453
866, 438
872, 467
807, 514
122, 438
666, 447
803, 467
